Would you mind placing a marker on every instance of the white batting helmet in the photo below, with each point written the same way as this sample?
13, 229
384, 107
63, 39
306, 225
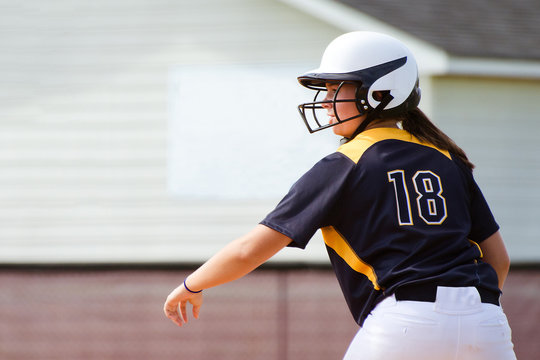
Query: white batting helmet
375, 63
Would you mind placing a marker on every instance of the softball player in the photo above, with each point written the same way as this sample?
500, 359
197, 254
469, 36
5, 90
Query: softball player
414, 245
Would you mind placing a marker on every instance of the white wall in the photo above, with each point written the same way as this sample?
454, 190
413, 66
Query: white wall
496, 122
84, 122
243, 139
84, 127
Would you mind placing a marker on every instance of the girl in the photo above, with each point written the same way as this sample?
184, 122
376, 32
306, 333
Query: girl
413, 243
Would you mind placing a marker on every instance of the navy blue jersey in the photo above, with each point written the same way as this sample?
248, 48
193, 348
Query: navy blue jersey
392, 211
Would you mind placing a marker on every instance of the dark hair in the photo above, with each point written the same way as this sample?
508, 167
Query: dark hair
419, 125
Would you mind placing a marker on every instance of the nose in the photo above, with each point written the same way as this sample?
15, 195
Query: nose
328, 102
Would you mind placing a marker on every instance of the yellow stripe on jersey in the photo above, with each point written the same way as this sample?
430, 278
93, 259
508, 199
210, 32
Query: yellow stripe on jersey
355, 149
339, 244
478, 246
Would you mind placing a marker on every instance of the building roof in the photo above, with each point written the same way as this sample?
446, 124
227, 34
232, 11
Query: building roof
500, 29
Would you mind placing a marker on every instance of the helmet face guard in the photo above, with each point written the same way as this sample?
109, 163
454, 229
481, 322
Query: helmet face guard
313, 112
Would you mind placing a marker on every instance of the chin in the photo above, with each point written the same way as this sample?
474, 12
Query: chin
340, 132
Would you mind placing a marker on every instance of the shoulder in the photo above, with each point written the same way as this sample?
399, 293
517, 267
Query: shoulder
332, 166
355, 149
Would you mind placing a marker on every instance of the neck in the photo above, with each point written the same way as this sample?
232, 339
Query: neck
389, 123
375, 124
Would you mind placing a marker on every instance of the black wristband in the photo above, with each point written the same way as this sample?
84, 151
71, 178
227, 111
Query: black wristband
191, 291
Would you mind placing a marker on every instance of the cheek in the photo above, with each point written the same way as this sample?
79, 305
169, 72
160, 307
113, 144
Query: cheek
347, 128
346, 110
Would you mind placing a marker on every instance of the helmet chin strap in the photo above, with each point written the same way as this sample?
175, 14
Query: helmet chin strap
371, 116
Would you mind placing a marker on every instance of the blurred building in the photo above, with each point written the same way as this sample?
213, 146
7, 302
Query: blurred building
103, 162
153, 132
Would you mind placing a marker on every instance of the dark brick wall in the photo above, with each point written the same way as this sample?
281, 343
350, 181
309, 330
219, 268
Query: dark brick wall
271, 314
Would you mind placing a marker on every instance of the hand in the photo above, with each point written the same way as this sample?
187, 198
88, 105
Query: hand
175, 305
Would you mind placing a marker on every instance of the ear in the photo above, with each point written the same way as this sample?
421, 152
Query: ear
379, 95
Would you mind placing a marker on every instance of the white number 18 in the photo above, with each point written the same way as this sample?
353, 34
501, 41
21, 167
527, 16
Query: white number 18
430, 203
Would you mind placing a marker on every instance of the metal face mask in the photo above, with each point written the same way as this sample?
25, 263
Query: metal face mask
315, 114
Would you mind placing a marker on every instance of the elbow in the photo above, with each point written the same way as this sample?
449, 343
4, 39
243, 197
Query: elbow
502, 273
259, 245
502, 261
502, 267
246, 253
506, 263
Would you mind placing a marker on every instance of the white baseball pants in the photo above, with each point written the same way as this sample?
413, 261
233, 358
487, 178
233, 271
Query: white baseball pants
457, 326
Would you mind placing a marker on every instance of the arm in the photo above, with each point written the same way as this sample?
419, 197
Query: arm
495, 254
235, 260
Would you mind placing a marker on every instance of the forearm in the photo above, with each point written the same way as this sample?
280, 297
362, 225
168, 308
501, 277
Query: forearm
238, 258
225, 266
494, 253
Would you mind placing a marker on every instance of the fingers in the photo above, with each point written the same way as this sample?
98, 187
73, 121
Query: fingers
171, 308
174, 314
176, 310
182, 311
196, 311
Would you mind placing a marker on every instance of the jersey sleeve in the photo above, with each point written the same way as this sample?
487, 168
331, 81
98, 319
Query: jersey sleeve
483, 222
308, 204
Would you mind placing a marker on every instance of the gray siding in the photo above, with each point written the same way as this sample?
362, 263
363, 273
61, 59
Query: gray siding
83, 122
84, 127
496, 122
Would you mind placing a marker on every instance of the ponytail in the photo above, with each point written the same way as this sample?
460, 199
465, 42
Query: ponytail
418, 124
